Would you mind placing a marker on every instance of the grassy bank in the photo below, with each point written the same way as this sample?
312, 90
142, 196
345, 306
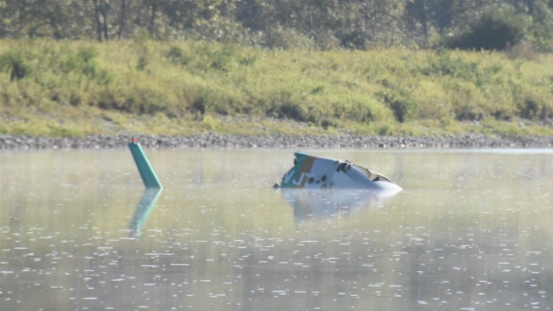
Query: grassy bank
78, 88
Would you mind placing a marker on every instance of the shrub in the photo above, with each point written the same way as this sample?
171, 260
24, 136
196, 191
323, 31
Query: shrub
290, 111
444, 64
400, 105
533, 103
177, 56
542, 27
142, 63
83, 61
15, 65
325, 41
522, 51
496, 29
285, 38
467, 101
355, 39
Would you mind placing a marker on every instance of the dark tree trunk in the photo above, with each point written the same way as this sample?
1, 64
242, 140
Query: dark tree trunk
153, 19
444, 15
424, 20
123, 19
105, 12
97, 18
53, 19
33, 30
55, 28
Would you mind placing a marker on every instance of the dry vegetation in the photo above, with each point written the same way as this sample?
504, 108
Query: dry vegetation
76, 88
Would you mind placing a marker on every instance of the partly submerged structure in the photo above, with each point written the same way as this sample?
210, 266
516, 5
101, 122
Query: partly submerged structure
312, 172
145, 169
151, 194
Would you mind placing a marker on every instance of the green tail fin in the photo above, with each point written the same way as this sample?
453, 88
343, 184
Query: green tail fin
147, 173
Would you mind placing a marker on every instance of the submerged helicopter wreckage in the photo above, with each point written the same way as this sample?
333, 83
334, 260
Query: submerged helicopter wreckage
350, 187
312, 172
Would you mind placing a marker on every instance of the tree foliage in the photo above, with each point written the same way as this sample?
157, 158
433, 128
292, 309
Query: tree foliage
497, 29
316, 24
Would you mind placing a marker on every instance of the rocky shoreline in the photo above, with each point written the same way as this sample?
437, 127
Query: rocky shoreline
217, 141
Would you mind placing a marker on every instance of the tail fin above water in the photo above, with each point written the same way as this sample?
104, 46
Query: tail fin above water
147, 173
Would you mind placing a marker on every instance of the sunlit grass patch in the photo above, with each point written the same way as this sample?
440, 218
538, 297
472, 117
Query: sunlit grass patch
188, 87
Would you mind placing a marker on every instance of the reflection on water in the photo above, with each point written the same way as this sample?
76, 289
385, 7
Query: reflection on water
471, 231
145, 206
318, 204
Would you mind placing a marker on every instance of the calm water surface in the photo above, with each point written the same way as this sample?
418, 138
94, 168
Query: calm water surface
470, 231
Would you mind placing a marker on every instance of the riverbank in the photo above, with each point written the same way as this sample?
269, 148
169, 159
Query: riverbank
79, 89
216, 141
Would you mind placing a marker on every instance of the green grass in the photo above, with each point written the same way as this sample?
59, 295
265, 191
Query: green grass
67, 88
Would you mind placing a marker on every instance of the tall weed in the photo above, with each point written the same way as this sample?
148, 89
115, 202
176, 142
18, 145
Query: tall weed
379, 92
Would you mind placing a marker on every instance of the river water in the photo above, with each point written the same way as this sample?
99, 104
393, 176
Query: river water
472, 230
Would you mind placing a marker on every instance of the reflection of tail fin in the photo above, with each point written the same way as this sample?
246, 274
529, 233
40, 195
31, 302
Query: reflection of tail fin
143, 210
147, 173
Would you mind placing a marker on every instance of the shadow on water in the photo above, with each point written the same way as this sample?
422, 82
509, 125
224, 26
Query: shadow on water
319, 204
143, 210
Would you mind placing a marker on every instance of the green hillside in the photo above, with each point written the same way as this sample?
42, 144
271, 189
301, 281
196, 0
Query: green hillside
76, 88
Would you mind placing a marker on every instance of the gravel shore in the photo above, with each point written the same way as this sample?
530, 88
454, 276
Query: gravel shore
215, 141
